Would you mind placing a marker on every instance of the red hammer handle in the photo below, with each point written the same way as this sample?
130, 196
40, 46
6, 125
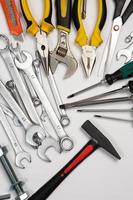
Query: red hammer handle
54, 182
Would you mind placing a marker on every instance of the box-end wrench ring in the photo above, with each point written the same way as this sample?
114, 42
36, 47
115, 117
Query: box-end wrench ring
127, 52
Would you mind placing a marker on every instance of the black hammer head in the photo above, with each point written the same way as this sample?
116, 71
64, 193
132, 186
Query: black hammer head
101, 140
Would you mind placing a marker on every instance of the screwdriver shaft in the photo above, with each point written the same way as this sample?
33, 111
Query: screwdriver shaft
106, 110
113, 118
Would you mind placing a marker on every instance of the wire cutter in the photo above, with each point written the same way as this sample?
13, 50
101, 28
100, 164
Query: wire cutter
89, 47
119, 20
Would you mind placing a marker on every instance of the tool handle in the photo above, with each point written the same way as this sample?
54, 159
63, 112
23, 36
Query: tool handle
82, 38
64, 14
119, 4
123, 73
128, 12
53, 183
32, 26
12, 17
130, 85
96, 38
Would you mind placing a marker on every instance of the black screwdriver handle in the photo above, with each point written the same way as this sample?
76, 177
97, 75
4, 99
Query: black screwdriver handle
44, 192
123, 73
130, 85
128, 12
64, 14
119, 4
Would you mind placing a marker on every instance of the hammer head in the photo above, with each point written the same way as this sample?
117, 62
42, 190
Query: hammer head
100, 139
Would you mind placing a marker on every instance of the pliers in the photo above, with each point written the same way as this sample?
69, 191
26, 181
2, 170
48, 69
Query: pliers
89, 46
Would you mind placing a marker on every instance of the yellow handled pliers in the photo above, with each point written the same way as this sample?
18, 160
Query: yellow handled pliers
39, 31
89, 46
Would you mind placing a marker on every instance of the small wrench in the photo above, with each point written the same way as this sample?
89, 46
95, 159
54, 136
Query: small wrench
33, 131
10, 114
20, 153
127, 52
26, 66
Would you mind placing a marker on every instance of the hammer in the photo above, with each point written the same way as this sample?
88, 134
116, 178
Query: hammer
97, 140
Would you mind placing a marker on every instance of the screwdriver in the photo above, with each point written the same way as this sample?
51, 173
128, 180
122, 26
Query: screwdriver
86, 101
113, 118
107, 110
123, 73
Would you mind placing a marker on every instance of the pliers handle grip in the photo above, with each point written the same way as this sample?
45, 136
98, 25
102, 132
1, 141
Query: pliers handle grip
96, 38
32, 26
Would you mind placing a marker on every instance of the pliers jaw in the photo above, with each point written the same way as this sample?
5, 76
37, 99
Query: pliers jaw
88, 58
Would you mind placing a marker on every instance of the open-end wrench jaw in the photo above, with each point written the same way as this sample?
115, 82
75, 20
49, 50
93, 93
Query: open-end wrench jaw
20, 157
126, 53
49, 142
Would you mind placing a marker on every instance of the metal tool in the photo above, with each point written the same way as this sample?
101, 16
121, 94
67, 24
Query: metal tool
123, 73
107, 110
118, 21
126, 52
97, 102
20, 154
26, 66
129, 38
64, 120
6, 196
98, 140
62, 52
84, 7
113, 118
127, 87
5, 52
89, 46
13, 18
10, 114
16, 183
35, 134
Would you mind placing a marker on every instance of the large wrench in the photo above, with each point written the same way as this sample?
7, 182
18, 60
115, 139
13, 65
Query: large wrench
6, 55
126, 52
64, 120
20, 153
26, 66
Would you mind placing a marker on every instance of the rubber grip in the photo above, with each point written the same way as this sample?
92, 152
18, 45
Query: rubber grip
123, 73
47, 25
96, 38
54, 182
63, 14
119, 4
130, 85
12, 17
81, 38
32, 26
128, 12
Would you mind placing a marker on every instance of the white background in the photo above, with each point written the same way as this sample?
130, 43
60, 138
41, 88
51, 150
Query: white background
99, 176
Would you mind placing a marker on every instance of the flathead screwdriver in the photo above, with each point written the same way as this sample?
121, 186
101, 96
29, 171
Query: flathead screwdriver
123, 73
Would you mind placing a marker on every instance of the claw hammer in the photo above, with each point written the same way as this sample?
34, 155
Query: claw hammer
97, 140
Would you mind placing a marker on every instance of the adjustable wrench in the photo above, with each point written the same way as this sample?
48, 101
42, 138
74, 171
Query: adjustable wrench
62, 52
126, 52
20, 153
26, 66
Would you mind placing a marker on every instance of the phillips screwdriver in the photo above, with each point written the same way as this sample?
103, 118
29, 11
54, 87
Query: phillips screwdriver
107, 110
123, 73
128, 86
113, 118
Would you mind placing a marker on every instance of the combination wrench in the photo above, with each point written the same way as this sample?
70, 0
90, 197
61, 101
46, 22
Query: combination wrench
65, 141
64, 120
19, 152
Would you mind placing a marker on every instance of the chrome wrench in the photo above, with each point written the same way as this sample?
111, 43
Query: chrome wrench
10, 114
26, 66
19, 152
64, 120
